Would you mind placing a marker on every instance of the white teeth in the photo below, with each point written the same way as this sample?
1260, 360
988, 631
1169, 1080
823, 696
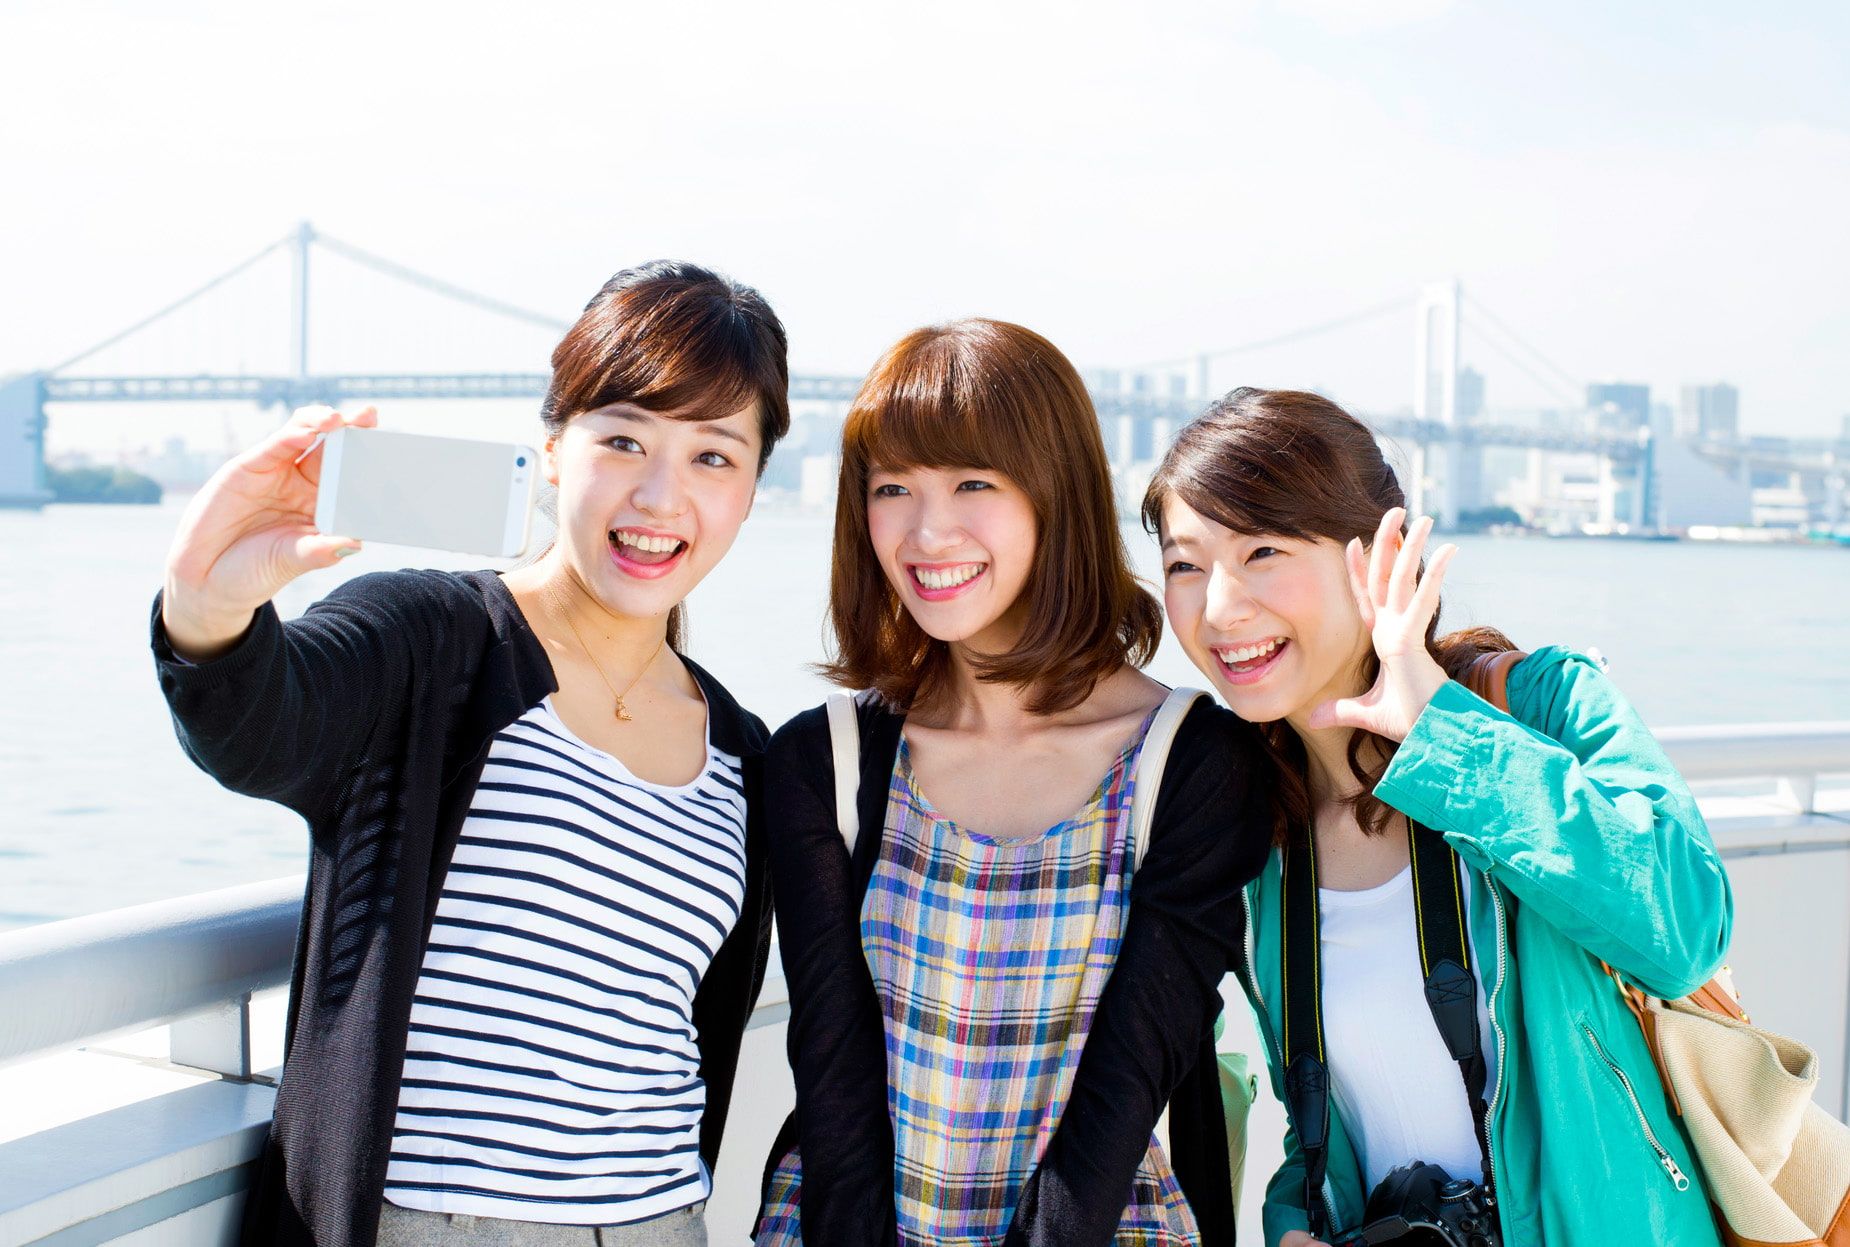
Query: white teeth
653, 545
947, 577
1247, 653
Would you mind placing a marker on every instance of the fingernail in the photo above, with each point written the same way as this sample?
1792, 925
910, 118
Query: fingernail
345, 551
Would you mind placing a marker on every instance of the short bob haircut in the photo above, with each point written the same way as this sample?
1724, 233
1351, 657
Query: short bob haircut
989, 395
674, 339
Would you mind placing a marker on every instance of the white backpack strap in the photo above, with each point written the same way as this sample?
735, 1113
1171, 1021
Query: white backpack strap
845, 742
1151, 759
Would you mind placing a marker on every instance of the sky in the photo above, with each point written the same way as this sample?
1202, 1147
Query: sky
1649, 193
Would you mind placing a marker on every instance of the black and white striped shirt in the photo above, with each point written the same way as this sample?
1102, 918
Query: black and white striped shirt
551, 1072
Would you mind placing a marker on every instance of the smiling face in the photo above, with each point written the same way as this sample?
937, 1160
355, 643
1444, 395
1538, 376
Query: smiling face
957, 545
648, 504
1270, 620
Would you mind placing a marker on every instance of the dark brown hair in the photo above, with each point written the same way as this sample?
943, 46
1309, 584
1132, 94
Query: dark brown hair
674, 339
1289, 463
989, 395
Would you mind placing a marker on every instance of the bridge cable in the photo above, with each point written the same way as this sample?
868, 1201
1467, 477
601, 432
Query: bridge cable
1307, 331
175, 306
1520, 341
1552, 386
437, 285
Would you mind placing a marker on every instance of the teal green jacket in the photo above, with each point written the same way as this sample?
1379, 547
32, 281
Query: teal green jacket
1582, 844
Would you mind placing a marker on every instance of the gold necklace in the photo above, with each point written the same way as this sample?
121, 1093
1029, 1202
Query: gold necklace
622, 711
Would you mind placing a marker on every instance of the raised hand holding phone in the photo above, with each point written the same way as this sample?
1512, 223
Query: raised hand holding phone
1397, 604
248, 532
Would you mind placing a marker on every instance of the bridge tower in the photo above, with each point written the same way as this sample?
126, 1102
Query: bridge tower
1447, 469
302, 242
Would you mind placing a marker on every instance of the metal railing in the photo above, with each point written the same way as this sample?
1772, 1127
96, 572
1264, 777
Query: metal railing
1794, 755
193, 964
193, 961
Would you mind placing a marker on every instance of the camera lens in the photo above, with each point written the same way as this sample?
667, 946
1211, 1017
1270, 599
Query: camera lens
520, 461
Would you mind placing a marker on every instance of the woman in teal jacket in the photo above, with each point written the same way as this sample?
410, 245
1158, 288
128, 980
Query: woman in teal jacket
1293, 585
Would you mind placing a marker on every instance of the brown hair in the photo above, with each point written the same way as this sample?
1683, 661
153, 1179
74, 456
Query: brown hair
994, 396
1293, 464
674, 338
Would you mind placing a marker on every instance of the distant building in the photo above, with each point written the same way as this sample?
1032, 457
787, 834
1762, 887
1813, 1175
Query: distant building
1470, 395
1619, 406
818, 476
22, 443
1709, 412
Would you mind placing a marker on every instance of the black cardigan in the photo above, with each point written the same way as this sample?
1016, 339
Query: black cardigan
371, 717
1151, 1041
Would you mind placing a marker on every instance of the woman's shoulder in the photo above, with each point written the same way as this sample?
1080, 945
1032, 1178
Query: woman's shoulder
1210, 730
1557, 683
804, 737
434, 620
408, 591
735, 729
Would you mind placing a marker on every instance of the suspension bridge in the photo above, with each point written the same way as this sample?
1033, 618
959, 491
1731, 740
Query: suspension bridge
1440, 443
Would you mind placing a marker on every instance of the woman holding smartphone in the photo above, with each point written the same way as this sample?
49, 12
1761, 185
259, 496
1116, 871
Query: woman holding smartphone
538, 910
988, 1014
1554, 837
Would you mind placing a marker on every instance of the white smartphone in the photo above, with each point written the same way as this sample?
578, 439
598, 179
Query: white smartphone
442, 493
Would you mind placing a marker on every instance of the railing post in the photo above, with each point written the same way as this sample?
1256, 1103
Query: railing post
217, 1039
1801, 791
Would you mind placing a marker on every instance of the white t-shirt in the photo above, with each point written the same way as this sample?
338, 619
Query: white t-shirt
1400, 1094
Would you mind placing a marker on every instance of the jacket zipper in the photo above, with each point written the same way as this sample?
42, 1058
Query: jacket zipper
1265, 1021
1490, 1007
1677, 1177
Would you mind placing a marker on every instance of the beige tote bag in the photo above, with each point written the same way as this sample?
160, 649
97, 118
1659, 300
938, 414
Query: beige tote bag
1777, 1166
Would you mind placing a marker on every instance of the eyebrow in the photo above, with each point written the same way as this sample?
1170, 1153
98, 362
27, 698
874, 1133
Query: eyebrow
638, 416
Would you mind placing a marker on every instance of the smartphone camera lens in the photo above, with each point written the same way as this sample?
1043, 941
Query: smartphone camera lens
520, 461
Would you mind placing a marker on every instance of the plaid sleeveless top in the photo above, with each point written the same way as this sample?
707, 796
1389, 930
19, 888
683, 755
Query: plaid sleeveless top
989, 955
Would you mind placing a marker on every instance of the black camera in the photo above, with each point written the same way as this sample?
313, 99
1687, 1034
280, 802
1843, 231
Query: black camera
1421, 1205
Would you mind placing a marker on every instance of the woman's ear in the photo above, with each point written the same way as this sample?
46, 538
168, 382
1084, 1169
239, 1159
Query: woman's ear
549, 459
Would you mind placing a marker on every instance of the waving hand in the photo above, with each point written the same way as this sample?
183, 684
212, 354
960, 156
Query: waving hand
1397, 603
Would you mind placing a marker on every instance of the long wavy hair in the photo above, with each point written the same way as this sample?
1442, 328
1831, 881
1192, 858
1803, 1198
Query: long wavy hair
1294, 464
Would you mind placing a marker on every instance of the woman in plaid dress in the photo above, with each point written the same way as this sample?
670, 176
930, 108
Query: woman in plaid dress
986, 1018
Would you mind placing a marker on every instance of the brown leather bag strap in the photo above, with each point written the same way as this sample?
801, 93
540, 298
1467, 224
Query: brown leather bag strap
1489, 676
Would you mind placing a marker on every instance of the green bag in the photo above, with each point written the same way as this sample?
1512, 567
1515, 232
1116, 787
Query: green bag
1239, 1086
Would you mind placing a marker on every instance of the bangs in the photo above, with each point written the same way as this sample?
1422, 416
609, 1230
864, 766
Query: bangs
677, 340
1281, 463
695, 362
1221, 471
934, 401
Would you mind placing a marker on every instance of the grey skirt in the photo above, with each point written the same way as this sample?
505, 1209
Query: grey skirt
408, 1227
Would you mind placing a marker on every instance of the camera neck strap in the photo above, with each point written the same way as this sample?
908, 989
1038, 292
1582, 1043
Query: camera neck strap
1451, 995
